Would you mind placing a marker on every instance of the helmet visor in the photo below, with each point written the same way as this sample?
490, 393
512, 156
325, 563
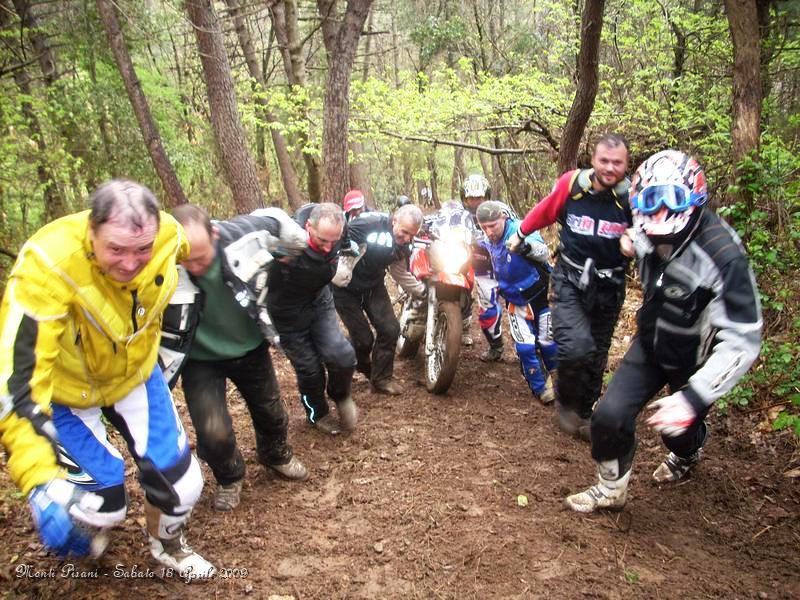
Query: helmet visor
674, 196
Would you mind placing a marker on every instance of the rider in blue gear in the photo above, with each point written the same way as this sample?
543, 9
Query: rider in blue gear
522, 280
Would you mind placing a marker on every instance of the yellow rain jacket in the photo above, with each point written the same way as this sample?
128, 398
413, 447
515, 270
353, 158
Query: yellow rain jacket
72, 335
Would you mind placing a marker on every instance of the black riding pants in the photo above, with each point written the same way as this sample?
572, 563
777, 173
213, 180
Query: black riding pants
318, 349
636, 381
583, 324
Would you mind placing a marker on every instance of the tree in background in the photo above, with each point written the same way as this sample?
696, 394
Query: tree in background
149, 129
256, 71
746, 120
237, 162
587, 80
341, 41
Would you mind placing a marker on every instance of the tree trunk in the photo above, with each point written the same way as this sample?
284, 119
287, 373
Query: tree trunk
288, 174
283, 14
588, 83
341, 41
172, 187
359, 168
459, 172
44, 54
53, 205
237, 163
746, 121
435, 202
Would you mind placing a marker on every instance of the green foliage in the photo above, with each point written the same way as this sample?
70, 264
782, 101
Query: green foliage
771, 232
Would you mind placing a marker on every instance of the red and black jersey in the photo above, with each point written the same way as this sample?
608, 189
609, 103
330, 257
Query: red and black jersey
591, 221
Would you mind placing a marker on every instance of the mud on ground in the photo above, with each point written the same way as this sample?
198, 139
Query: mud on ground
422, 501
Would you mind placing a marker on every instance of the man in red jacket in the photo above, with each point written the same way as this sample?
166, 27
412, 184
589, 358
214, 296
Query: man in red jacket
588, 282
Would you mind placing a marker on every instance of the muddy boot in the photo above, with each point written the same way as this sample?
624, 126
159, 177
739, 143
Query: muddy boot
294, 470
168, 545
328, 424
674, 467
227, 497
388, 387
548, 394
610, 491
348, 413
573, 424
494, 353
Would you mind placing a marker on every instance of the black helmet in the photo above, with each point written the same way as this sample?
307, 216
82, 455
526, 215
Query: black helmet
403, 200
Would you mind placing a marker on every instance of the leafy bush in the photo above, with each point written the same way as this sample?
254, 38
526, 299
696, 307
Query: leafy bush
771, 232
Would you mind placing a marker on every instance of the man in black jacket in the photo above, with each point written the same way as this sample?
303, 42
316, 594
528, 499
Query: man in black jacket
227, 341
386, 244
301, 305
699, 329
588, 281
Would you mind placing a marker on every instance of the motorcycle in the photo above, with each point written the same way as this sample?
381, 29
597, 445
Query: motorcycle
442, 261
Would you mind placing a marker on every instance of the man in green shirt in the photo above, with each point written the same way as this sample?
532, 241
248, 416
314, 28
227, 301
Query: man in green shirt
229, 343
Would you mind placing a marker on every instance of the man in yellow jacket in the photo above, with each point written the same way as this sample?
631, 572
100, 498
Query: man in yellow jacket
80, 326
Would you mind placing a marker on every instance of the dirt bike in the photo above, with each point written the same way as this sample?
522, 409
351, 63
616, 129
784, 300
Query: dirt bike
442, 261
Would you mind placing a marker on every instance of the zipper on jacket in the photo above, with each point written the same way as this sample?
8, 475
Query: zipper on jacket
133, 311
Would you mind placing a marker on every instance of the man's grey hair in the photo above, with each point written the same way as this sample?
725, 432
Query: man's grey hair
326, 210
123, 200
409, 213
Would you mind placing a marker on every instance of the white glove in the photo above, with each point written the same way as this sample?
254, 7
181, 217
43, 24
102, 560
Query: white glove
673, 416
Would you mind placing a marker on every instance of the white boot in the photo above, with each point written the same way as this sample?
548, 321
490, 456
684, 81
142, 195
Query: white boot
168, 546
611, 490
176, 554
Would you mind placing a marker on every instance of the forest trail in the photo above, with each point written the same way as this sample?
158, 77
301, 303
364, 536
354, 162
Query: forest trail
422, 502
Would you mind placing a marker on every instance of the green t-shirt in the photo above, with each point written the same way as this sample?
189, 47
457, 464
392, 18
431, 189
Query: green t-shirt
226, 330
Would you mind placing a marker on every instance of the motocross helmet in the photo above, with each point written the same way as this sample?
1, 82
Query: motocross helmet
475, 186
667, 196
403, 200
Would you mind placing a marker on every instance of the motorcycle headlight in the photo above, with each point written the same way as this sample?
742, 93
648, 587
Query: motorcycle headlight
449, 256
454, 259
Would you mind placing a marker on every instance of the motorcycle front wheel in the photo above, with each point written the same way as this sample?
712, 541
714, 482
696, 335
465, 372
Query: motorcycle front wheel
441, 363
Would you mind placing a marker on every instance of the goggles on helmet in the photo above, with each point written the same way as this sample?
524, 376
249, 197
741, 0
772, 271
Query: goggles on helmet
674, 196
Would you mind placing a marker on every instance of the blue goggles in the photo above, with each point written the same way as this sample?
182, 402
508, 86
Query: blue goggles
675, 197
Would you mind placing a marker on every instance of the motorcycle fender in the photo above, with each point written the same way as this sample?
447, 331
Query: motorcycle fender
457, 279
420, 264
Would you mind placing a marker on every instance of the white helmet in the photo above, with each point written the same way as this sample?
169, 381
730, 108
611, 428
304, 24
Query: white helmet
476, 186
667, 194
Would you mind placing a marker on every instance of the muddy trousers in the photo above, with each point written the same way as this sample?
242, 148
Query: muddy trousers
374, 353
636, 381
204, 389
322, 358
583, 324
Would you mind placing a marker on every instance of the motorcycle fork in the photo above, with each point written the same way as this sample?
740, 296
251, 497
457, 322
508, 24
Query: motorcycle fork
430, 320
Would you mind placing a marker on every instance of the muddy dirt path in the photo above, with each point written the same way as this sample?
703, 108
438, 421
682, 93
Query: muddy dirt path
422, 502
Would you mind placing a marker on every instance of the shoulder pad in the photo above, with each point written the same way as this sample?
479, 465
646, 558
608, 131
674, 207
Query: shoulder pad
622, 188
580, 183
